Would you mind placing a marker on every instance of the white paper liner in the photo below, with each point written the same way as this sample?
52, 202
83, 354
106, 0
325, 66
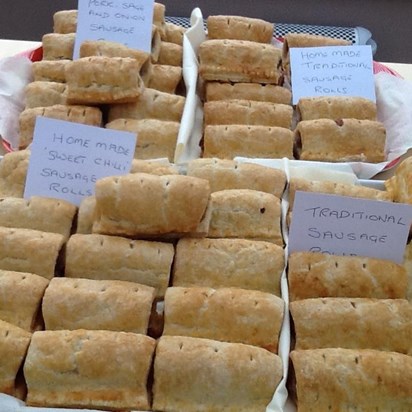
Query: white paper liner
10, 404
280, 396
15, 74
191, 128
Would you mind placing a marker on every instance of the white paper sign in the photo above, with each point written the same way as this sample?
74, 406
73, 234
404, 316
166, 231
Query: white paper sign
67, 158
127, 22
341, 225
332, 71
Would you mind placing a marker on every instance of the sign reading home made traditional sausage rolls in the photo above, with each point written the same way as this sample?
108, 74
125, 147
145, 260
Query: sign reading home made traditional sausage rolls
127, 22
67, 158
332, 71
348, 226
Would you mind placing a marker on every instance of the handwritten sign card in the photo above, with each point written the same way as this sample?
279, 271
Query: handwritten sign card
127, 22
332, 71
342, 225
67, 158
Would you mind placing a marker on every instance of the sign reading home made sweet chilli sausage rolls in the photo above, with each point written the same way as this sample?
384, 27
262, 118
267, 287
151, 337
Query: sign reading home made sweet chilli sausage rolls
342, 225
332, 71
67, 158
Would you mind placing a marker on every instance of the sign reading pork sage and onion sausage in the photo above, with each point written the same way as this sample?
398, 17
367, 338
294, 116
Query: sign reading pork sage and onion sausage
126, 22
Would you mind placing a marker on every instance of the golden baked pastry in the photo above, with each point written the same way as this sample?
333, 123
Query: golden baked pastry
291, 40
400, 184
229, 174
38, 213
408, 268
239, 61
50, 70
156, 44
20, 298
247, 112
239, 28
250, 376
101, 79
45, 93
13, 172
71, 304
165, 78
85, 215
310, 40
113, 49
146, 205
14, 342
155, 138
339, 379
341, 141
91, 369
253, 141
170, 54
174, 33
103, 257
229, 263
353, 323
159, 12
247, 91
251, 317
91, 116
58, 46
32, 251
153, 167
336, 107
313, 275
334, 188
65, 21
244, 213
151, 104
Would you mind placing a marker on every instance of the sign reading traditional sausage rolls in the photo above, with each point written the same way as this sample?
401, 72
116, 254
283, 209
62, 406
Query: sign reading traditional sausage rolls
341, 225
332, 71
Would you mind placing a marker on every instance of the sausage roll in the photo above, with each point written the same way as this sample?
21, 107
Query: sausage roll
14, 342
239, 28
344, 379
336, 107
244, 213
353, 323
229, 263
239, 61
230, 141
32, 251
250, 377
344, 140
313, 275
102, 257
115, 305
103, 80
146, 205
228, 174
20, 298
31, 213
91, 369
249, 316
